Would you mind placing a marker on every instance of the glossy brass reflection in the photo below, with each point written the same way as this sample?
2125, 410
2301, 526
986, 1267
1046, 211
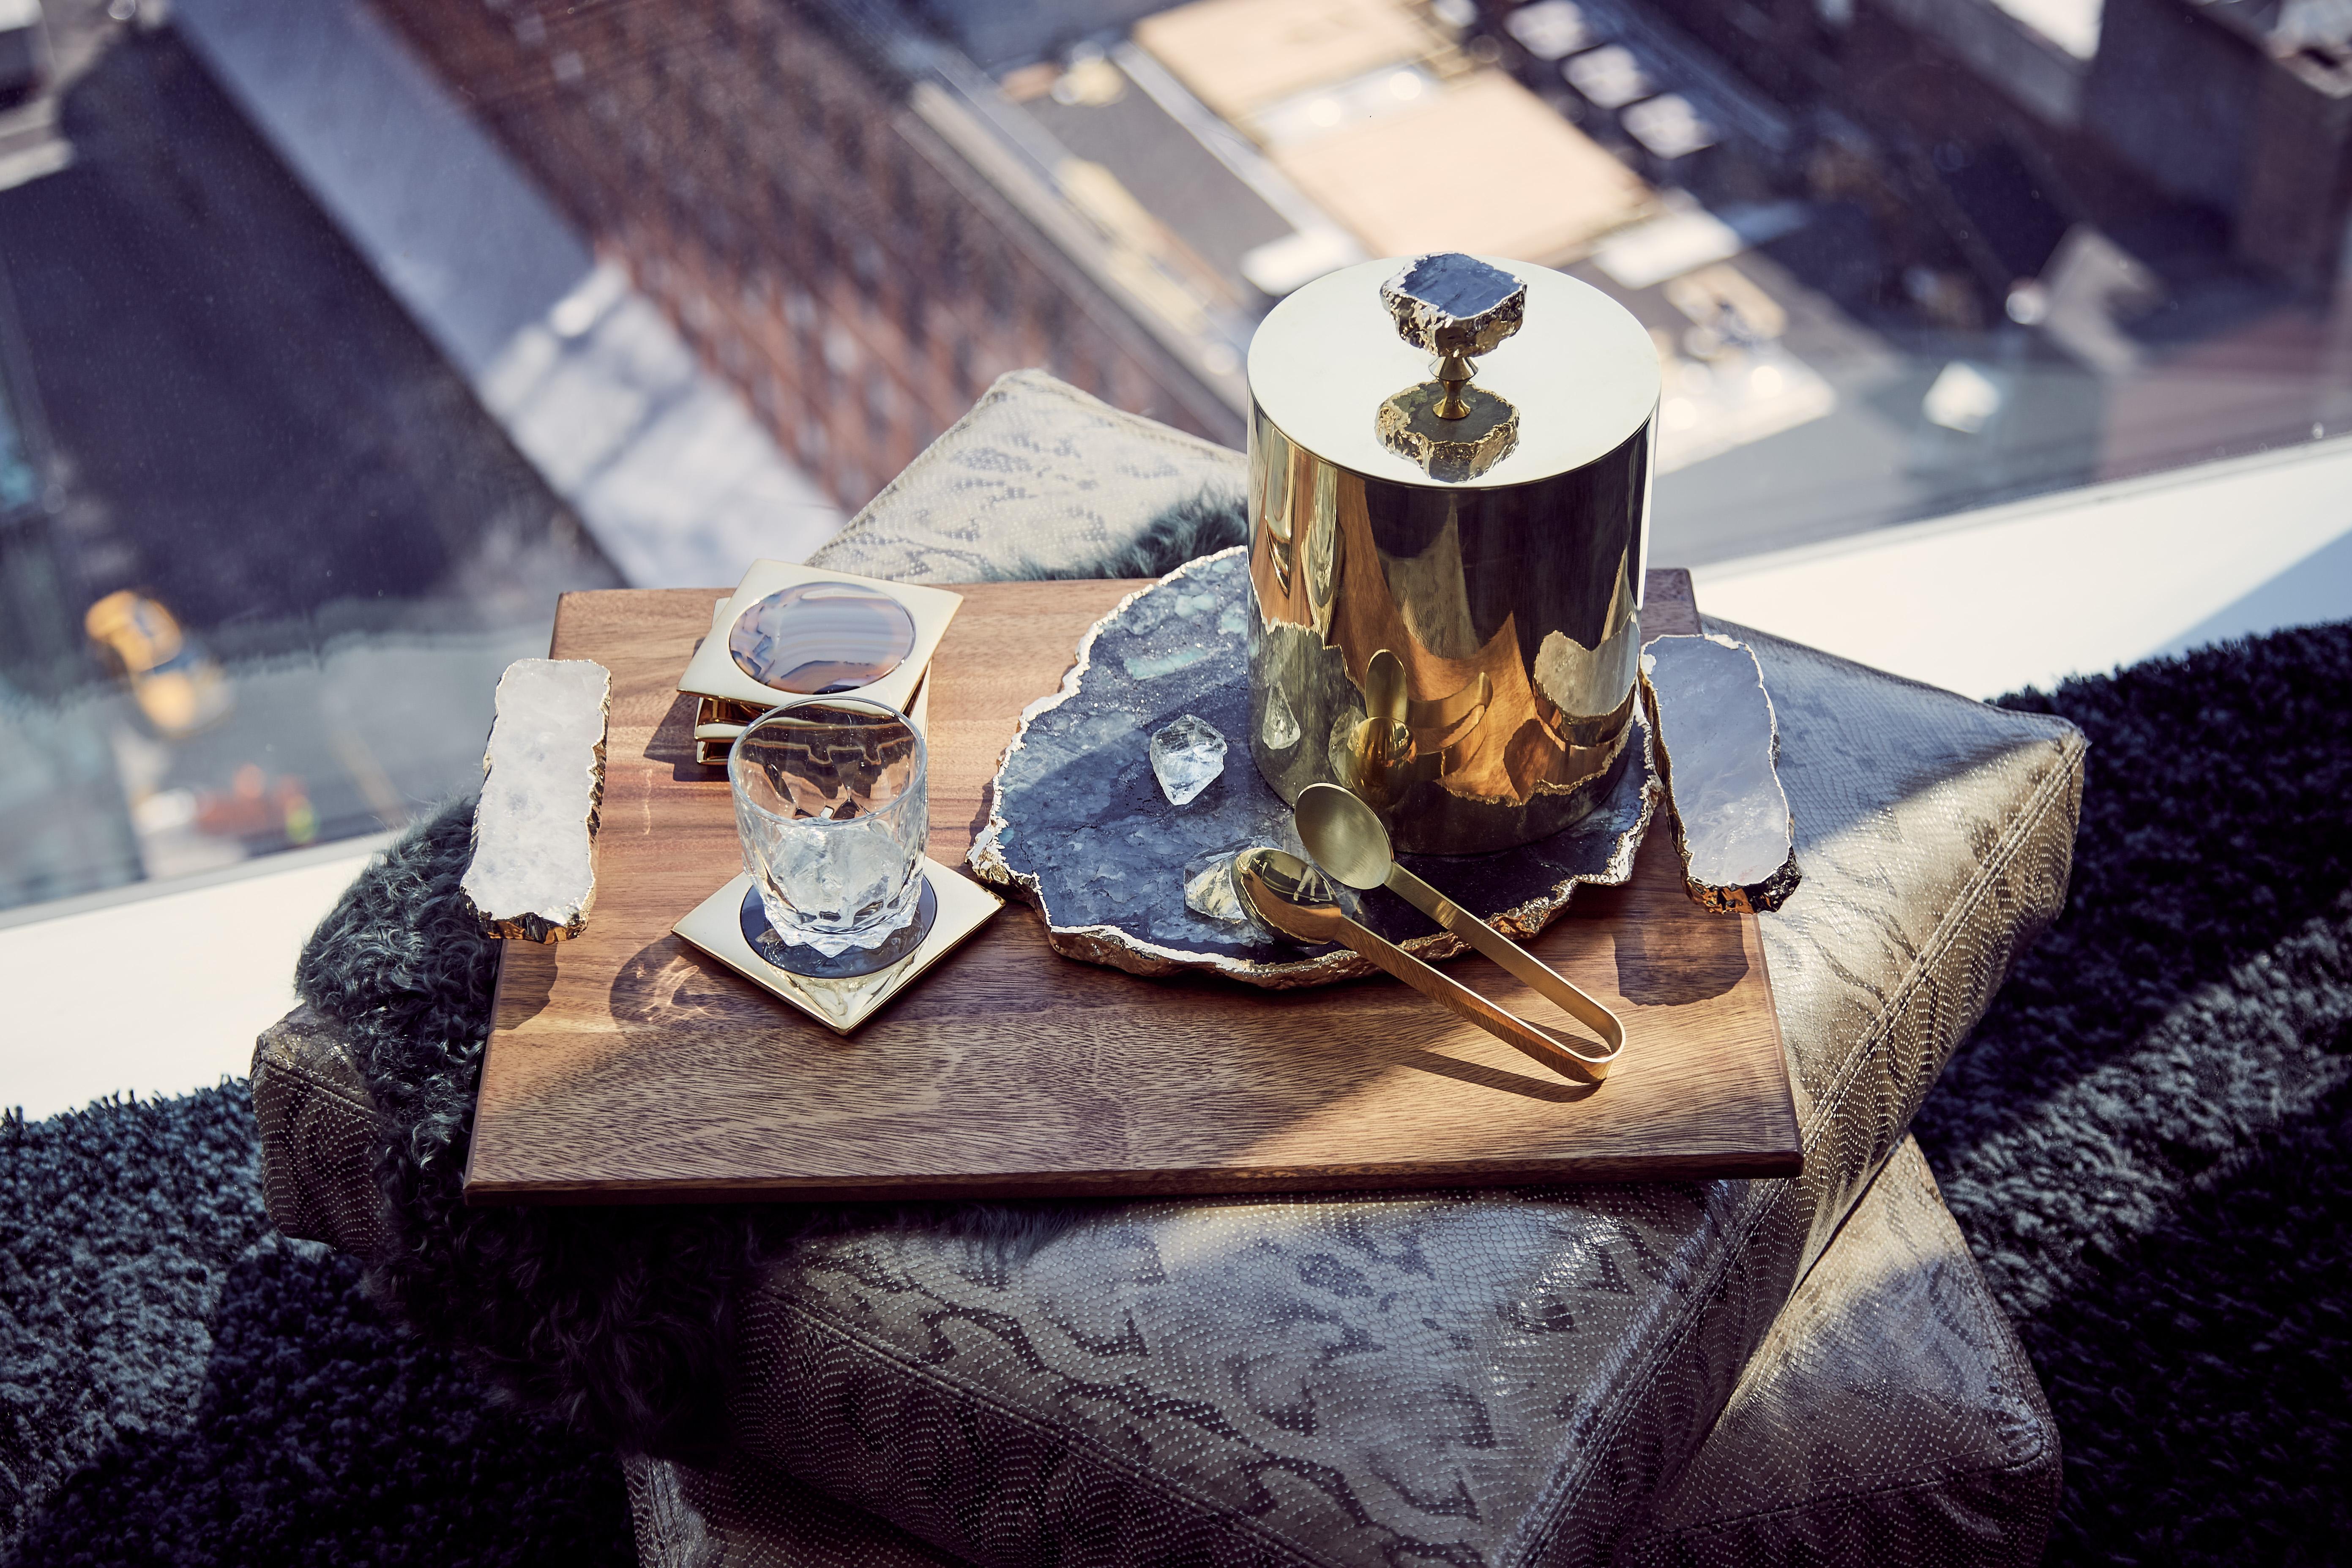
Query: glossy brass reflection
1452, 448
1403, 739
1463, 661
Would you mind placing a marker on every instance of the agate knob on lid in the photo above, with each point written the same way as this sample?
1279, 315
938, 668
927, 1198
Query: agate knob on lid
1581, 373
1450, 304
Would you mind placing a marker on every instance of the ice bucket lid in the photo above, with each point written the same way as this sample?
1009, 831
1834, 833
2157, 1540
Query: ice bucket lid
1580, 372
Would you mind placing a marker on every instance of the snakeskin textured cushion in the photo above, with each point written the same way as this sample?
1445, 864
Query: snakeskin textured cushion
750, 1517
1891, 1396
1889, 1416
1036, 475
1495, 1376
318, 1130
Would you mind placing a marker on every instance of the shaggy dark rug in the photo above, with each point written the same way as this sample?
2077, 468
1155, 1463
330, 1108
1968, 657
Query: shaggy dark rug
183, 1387
2146, 1139
2145, 1142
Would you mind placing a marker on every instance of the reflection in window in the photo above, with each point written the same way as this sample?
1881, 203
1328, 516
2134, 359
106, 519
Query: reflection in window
1896, 259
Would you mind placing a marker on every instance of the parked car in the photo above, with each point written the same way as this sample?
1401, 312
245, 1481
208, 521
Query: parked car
179, 687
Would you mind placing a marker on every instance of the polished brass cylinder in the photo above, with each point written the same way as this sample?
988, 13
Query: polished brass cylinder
1444, 623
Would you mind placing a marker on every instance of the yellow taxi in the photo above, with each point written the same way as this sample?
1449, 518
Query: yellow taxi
179, 687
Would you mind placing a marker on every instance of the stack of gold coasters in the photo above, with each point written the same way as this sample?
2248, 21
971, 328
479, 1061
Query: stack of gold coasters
793, 631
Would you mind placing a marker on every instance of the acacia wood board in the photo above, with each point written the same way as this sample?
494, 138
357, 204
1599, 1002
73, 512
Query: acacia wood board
625, 1065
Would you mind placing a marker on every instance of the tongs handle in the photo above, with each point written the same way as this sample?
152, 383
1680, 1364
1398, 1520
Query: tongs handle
1557, 1055
1539, 976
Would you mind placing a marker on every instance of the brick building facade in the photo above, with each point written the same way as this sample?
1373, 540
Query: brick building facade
756, 168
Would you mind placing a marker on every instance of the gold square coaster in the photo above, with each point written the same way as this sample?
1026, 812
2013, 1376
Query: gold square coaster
713, 672
716, 926
714, 734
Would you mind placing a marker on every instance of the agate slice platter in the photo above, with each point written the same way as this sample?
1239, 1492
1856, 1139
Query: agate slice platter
813, 638
1079, 825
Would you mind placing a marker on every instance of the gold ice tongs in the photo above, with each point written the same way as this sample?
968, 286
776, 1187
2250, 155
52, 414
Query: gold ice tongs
1278, 889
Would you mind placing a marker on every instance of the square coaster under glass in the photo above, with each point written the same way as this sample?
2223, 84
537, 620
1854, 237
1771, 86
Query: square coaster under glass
955, 905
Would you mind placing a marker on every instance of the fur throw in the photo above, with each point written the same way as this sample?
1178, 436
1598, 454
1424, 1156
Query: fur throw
618, 1319
1187, 530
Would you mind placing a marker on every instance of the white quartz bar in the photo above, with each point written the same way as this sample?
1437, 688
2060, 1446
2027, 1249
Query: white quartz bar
533, 873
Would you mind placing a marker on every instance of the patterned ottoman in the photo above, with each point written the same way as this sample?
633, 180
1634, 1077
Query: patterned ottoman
1889, 1416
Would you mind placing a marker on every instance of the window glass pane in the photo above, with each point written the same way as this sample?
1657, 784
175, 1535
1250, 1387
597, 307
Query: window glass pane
338, 339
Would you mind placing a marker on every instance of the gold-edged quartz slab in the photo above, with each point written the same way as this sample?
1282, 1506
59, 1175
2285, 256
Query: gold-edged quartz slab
1718, 745
1079, 824
533, 871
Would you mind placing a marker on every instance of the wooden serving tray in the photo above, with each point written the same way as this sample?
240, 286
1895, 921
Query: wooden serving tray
626, 1067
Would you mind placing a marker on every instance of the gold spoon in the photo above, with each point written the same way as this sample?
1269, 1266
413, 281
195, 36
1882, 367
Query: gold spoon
1278, 891
1348, 841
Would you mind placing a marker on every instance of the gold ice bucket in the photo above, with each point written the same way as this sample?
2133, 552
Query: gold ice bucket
1449, 494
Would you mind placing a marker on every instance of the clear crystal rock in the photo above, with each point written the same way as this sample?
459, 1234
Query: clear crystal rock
1186, 758
1210, 892
1280, 728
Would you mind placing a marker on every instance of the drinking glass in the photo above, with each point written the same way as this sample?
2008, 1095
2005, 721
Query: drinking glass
833, 806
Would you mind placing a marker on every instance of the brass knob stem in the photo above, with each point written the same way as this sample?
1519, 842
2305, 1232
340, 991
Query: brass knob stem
1453, 372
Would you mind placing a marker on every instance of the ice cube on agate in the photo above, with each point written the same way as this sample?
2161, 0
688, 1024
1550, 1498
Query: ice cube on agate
1210, 893
1186, 758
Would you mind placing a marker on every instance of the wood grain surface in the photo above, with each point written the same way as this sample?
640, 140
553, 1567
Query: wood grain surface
626, 1067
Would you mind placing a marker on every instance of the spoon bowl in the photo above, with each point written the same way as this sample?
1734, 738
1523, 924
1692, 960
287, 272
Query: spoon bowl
1345, 836
1283, 893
